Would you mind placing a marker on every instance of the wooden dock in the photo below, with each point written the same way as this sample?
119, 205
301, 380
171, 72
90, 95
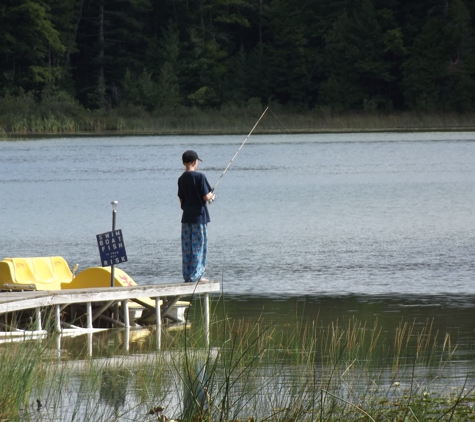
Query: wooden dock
93, 308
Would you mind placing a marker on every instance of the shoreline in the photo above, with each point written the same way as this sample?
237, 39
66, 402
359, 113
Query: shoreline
209, 132
236, 121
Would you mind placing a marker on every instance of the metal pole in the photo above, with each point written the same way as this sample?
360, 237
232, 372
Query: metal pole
114, 212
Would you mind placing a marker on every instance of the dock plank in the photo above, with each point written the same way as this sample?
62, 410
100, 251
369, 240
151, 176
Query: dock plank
16, 301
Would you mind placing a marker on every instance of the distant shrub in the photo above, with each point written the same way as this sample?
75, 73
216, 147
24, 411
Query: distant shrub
59, 103
21, 104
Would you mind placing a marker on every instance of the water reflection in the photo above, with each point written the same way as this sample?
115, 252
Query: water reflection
376, 228
113, 387
452, 315
136, 376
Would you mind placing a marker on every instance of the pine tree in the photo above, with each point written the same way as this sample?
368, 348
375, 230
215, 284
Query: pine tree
357, 59
28, 43
439, 71
110, 40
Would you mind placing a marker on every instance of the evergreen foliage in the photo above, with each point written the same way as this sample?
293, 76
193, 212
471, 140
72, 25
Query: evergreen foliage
371, 55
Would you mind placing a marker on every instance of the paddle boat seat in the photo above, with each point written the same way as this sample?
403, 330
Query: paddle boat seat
53, 273
101, 277
35, 273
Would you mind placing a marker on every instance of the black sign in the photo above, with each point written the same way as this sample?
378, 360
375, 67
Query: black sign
111, 248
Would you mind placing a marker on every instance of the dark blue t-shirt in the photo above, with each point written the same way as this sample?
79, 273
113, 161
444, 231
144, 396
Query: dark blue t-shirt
192, 186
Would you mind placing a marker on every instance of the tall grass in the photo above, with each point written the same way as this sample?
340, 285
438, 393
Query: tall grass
252, 371
21, 367
60, 114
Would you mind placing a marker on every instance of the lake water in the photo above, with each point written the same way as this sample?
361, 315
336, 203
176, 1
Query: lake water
321, 215
320, 227
295, 214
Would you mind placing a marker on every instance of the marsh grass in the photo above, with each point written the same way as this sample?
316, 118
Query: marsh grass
59, 114
346, 371
20, 368
251, 371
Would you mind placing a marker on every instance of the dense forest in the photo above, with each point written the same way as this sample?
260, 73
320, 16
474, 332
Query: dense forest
337, 55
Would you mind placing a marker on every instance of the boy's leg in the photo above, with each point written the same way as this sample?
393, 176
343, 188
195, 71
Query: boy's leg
197, 256
186, 251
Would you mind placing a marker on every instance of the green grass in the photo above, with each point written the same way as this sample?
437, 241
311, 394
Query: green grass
252, 371
60, 115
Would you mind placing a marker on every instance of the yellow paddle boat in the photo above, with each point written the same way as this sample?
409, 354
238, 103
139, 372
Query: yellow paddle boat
53, 273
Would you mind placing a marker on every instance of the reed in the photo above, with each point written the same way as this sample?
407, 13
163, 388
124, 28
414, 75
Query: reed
21, 367
340, 372
252, 371
23, 115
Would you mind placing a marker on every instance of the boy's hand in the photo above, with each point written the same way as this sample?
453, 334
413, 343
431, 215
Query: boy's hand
213, 197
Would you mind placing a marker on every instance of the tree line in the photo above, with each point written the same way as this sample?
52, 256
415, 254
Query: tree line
334, 55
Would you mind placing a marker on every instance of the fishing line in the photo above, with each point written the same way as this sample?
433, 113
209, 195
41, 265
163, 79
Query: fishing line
239, 149
280, 121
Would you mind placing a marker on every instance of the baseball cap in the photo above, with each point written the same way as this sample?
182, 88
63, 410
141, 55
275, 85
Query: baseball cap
190, 156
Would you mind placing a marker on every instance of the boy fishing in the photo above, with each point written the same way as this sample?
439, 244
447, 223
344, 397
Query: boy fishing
194, 192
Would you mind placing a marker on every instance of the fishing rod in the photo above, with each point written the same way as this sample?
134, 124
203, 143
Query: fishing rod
239, 149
